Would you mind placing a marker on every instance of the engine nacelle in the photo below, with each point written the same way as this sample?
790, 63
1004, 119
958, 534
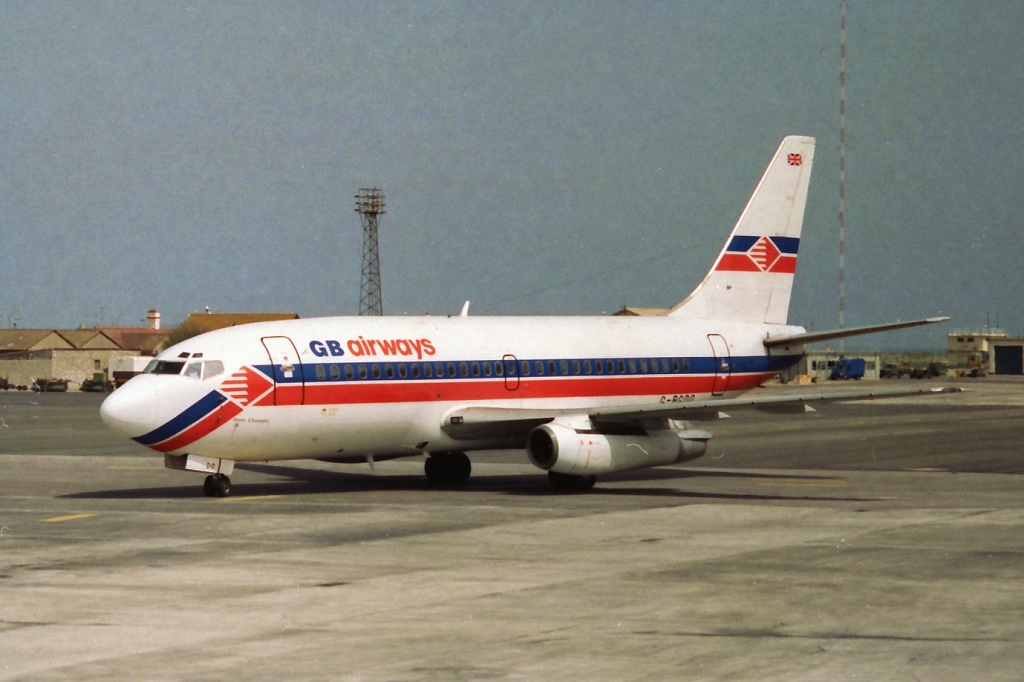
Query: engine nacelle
562, 449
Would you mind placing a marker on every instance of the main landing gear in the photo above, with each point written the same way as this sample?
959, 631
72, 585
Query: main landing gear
448, 469
569, 483
217, 485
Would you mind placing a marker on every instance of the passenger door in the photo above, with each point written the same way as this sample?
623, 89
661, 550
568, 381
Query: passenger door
289, 385
723, 361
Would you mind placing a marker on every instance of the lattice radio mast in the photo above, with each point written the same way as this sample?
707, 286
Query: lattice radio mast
369, 206
842, 168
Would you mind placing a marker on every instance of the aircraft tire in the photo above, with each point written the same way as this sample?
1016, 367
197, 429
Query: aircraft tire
569, 483
432, 470
450, 469
217, 486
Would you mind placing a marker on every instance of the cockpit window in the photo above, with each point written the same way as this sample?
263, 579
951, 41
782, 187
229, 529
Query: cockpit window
196, 369
165, 367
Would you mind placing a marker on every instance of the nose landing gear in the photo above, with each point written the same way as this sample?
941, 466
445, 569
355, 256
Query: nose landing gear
217, 485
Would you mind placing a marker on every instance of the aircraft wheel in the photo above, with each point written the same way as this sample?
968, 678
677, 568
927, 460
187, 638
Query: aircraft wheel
432, 469
570, 483
217, 486
448, 469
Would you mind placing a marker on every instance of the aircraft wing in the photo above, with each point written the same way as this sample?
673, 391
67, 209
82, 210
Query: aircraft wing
469, 423
711, 408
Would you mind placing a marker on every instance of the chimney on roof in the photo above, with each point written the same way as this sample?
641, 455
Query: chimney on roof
153, 319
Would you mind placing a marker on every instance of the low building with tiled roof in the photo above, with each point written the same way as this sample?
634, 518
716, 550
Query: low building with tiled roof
71, 354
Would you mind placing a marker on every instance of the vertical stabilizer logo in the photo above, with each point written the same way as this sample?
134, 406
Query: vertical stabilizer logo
748, 253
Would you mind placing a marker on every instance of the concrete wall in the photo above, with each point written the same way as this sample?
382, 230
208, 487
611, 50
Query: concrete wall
74, 365
24, 372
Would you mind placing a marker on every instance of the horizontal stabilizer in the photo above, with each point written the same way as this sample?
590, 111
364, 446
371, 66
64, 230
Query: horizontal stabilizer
814, 337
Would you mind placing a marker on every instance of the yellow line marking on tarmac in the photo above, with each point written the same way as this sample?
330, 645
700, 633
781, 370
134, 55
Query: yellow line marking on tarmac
249, 498
69, 517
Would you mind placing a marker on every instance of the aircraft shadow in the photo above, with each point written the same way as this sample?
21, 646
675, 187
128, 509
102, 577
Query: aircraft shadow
297, 481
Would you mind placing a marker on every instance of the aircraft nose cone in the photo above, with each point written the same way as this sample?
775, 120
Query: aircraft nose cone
131, 409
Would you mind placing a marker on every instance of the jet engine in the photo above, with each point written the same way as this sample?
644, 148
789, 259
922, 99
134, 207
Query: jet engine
564, 450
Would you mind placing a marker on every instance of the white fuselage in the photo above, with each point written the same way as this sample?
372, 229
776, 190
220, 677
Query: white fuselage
353, 387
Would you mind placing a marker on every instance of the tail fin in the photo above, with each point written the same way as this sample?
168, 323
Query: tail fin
753, 277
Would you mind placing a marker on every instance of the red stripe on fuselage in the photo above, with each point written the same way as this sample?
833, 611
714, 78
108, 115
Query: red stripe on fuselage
204, 426
529, 388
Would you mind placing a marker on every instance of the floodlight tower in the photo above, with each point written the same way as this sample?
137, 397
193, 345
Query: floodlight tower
369, 206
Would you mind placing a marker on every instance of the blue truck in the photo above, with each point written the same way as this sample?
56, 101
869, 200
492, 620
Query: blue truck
848, 368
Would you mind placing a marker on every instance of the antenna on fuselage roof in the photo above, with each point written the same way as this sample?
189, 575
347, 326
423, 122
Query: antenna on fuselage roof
465, 310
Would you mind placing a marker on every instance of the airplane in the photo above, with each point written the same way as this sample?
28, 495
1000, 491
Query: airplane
584, 396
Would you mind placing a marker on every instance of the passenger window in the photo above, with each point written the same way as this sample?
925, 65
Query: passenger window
487, 369
575, 366
335, 372
415, 370
349, 372
428, 371
321, 373
375, 370
362, 371
463, 369
402, 371
524, 368
389, 371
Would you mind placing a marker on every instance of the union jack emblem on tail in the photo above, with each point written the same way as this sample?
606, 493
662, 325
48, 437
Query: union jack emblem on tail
760, 254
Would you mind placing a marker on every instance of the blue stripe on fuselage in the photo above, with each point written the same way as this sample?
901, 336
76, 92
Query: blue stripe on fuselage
391, 368
193, 414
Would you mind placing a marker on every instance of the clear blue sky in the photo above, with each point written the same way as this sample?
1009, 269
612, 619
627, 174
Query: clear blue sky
538, 157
